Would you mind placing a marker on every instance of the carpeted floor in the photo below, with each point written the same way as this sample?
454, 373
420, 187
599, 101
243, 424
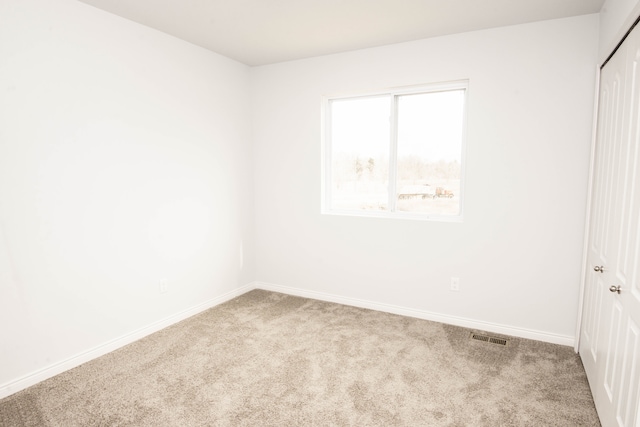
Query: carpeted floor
268, 359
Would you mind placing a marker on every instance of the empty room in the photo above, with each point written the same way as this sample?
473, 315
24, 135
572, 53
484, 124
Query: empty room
319, 213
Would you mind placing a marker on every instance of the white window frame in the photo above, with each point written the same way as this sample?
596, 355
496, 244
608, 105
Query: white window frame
393, 93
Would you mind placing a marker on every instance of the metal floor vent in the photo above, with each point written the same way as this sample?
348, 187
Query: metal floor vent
486, 338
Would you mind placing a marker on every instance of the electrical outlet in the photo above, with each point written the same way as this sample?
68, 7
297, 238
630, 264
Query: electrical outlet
455, 284
163, 286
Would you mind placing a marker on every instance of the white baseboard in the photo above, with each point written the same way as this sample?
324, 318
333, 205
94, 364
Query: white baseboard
15, 386
421, 314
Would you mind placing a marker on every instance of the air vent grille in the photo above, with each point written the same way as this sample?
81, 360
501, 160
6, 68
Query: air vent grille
486, 338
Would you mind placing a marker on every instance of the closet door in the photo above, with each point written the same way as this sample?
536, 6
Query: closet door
610, 334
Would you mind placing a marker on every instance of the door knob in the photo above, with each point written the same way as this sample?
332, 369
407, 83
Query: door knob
599, 268
615, 289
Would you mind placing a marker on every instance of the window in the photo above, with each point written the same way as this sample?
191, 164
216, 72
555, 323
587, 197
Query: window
396, 153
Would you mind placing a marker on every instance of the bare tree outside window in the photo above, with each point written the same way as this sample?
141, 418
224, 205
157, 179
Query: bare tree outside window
396, 153
360, 142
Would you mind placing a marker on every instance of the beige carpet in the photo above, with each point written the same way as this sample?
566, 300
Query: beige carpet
268, 359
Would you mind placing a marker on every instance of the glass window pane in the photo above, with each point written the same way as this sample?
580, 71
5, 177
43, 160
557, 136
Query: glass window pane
360, 153
430, 127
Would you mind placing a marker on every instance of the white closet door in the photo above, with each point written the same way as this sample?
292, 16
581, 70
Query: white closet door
610, 334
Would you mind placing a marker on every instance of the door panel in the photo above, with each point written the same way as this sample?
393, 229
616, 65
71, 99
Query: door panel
593, 304
598, 312
629, 386
628, 254
612, 348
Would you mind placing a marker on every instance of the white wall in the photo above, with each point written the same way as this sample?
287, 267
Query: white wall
518, 251
124, 160
616, 16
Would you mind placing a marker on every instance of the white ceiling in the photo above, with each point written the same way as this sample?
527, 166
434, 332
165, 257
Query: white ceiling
257, 32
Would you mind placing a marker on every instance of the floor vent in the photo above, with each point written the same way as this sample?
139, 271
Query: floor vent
486, 338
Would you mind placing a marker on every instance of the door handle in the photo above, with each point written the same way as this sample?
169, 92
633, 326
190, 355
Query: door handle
599, 268
615, 289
